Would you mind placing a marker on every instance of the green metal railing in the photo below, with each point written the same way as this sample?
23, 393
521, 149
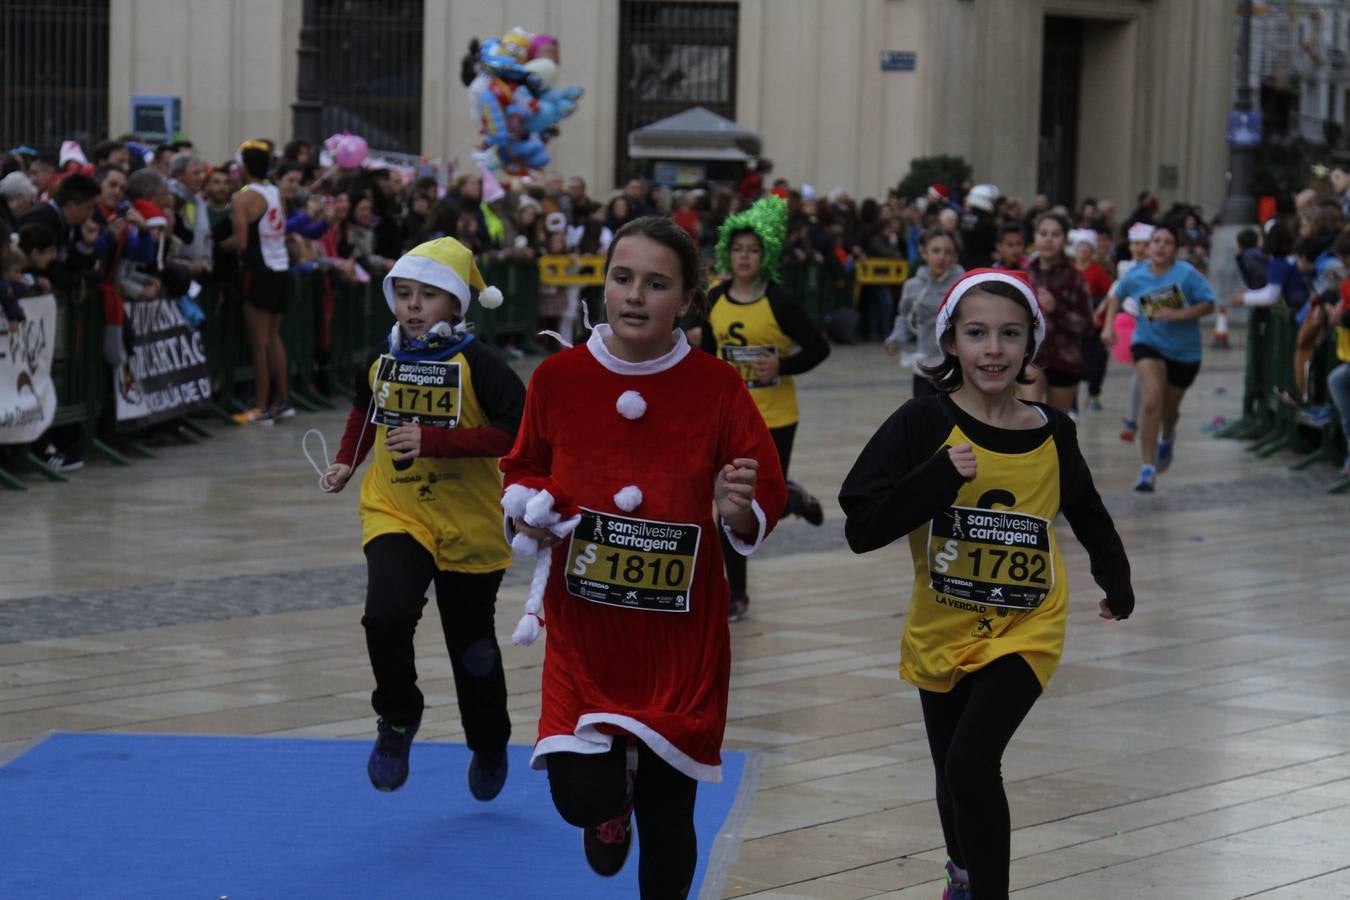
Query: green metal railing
1273, 417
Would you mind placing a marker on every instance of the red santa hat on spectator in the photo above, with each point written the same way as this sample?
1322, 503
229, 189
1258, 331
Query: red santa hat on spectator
973, 279
938, 193
71, 151
153, 215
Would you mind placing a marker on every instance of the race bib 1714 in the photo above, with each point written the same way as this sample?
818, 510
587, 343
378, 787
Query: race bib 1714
416, 392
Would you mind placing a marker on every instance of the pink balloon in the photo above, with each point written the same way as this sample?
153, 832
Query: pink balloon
349, 150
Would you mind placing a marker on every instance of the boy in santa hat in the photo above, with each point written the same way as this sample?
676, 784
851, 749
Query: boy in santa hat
439, 408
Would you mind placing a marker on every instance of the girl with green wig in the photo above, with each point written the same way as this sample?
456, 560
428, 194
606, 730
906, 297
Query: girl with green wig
763, 331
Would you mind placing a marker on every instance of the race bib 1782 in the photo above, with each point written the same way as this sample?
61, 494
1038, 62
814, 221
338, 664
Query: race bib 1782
635, 563
421, 392
991, 556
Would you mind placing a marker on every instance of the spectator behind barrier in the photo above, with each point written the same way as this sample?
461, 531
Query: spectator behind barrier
38, 246
67, 210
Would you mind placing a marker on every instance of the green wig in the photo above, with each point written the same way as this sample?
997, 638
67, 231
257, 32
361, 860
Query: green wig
767, 218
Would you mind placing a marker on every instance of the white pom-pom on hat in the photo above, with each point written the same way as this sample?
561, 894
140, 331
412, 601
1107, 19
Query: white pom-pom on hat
490, 297
631, 405
628, 498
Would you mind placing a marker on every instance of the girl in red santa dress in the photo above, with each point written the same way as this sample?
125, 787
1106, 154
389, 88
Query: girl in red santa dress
630, 445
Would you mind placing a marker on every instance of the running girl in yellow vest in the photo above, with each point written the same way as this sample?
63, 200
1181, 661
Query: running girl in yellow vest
767, 336
439, 408
975, 478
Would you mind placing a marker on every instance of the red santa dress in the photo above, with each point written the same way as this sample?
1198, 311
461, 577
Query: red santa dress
636, 600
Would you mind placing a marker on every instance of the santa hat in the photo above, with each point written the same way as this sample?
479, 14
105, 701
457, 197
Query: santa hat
1140, 231
976, 277
71, 152
492, 188
938, 192
1082, 236
447, 264
153, 215
983, 197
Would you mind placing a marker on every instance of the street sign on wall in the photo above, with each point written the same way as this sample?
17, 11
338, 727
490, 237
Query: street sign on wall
898, 60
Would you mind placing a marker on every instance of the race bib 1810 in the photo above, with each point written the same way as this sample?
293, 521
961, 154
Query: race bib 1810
991, 556
635, 563
421, 392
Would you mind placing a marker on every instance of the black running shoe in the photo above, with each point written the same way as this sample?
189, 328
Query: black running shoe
388, 764
738, 608
608, 843
803, 503
487, 774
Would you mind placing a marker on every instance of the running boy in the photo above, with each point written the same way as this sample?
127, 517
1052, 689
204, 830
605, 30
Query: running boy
439, 408
975, 478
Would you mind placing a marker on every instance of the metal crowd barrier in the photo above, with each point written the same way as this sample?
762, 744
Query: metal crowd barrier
1273, 418
360, 321
81, 381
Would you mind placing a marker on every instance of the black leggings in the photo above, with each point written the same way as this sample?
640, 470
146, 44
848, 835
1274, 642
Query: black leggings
968, 728
398, 572
735, 563
1095, 358
591, 788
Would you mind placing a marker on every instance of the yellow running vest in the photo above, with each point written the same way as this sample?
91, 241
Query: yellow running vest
745, 331
451, 506
988, 579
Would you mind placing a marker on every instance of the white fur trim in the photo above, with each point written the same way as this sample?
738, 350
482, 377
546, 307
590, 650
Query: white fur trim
1139, 231
587, 738
523, 545
628, 498
1082, 236
515, 497
631, 405
539, 510
428, 271
741, 546
527, 631
977, 277
490, 297
596, 344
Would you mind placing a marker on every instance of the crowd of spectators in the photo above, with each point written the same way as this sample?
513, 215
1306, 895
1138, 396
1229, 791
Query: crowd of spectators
133, 221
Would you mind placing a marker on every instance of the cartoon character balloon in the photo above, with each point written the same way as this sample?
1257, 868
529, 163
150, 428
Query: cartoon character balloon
513, 99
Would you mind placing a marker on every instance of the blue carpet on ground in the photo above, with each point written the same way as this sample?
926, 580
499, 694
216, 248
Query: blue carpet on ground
121, 815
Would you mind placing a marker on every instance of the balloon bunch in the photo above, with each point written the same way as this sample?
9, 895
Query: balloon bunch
513, 99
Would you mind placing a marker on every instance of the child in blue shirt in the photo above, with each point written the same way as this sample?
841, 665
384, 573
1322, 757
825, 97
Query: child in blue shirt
1172, 297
